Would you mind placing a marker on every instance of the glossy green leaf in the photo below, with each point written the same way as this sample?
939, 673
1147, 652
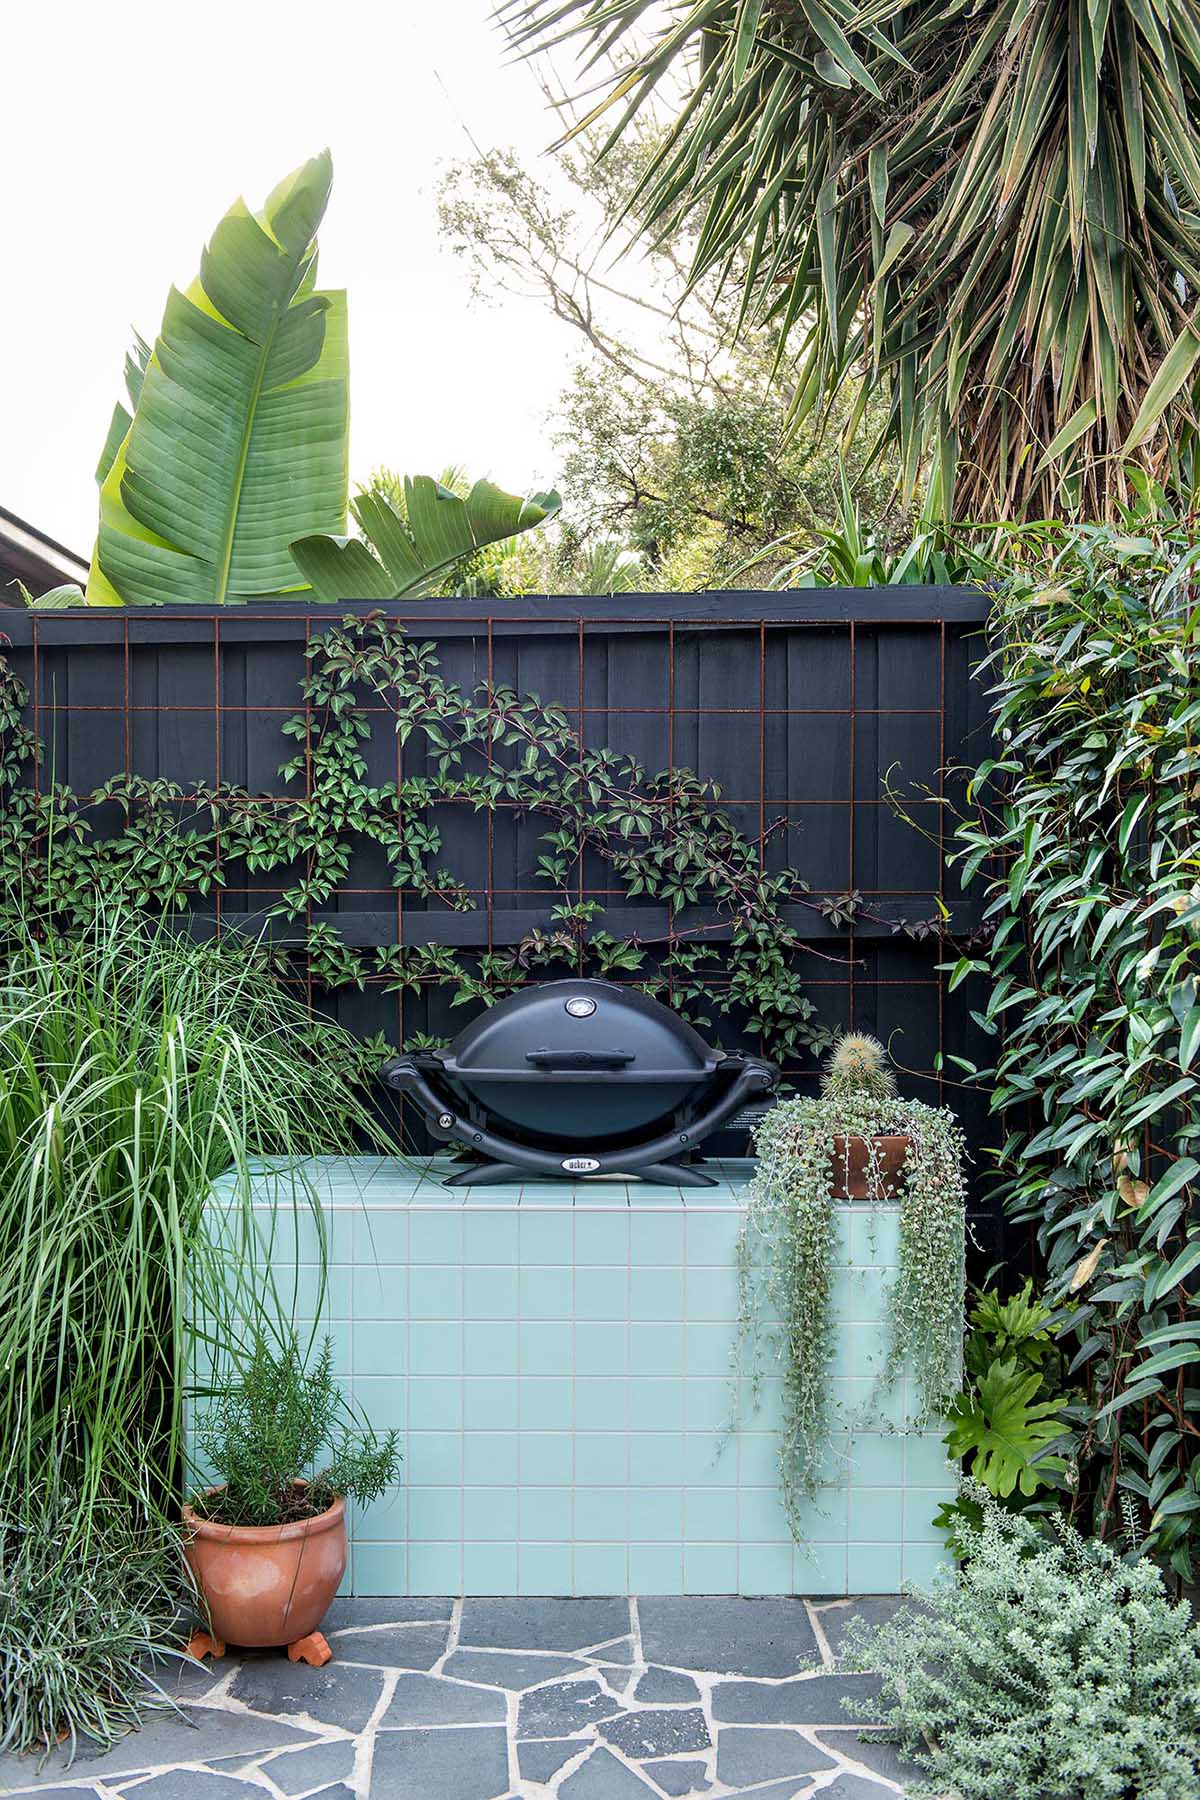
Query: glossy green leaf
238, 440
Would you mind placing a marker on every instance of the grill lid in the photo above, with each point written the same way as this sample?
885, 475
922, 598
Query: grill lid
576, 1032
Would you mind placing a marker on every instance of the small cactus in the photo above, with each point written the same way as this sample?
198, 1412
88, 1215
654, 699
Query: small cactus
858, 1065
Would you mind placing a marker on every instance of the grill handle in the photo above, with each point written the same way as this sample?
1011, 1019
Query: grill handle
579, 1059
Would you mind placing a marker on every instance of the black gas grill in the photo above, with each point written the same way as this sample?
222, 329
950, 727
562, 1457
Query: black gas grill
579, 1078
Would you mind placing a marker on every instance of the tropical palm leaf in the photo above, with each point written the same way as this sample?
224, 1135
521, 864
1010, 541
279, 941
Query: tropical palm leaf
238, 439
987, 207
404, 549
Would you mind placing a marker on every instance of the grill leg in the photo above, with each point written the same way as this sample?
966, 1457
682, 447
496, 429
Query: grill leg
489, 1172
675, 1175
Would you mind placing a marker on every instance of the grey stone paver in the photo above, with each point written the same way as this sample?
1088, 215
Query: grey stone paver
744, 1637
540, 1759
426, 1700
519, 1699
418, 1647
876, 1609
495, 1669
658, 1731
470, 1763
746, 1754
874, 1753
679, 1778
296, 1771
665, 1687
815, 1701
563, 1709
542, 1624
604, 1777
336, 1695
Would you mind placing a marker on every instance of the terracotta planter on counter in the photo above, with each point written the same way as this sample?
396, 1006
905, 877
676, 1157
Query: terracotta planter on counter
267, 1585
850, 1166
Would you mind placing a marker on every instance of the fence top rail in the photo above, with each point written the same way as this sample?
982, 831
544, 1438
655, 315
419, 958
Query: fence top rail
284, 619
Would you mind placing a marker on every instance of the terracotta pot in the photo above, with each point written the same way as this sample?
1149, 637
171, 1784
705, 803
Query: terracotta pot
267, 1584
850, 1165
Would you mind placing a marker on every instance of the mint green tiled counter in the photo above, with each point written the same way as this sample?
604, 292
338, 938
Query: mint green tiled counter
557, 1361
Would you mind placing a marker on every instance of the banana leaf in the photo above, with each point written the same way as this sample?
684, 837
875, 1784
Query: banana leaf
237, 442
402, 553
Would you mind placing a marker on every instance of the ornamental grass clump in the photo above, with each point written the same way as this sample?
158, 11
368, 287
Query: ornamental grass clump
1046, 1669
787, 1249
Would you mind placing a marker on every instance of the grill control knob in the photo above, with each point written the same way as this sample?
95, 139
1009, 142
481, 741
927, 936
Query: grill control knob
580, 1007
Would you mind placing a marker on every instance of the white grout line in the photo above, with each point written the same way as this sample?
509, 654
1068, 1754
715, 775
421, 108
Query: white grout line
828, 1659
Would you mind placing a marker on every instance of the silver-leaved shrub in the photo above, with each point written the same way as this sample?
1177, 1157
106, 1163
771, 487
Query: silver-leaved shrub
1045, 1669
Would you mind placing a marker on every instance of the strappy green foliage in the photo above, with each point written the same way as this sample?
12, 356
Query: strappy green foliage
990, 208
238, 438
407, 548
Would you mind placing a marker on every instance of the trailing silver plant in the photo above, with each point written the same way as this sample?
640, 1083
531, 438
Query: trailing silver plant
786, 1255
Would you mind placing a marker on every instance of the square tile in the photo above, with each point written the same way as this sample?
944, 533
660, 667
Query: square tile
546, 1459
656, 1514
489, 1512
709, 1460
757, 1458
655, 1348
545, 1292
435, 1347
545, 1514
709, 1349
382, 1569
711, 1238
656, 1569
923, 1564
436, 1291
708, 1402
384, 1400
710, 1515
491, 1403
381, 1237
491, 1237
544, 1568
385, 1519
436, 1237
434, 1458
927, 1462
656, 1238
875, 1459
601, 1237
765, 1569
601, 1349
710, 1568
601, 1292
547, 1401
380, 1347
490, 1457
490, 1348
435, 1403
824, 1569
873, 1568
601, 1402
602, 1458
656, 1403
875, 1235
491, 1292
600, 1515
920, 1505
545, 1347
434, 1514
656, 1293
712, 1293
489, 1568
761, 1516
861, 1349
546, 1237
601, 1569
656, 1457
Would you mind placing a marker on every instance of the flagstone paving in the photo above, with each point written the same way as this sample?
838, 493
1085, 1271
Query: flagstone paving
687, 1699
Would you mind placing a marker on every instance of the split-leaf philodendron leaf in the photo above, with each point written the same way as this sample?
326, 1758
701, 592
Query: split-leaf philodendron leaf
238, 439
404, 554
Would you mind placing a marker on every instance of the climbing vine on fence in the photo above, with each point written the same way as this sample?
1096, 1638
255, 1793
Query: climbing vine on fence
664, 836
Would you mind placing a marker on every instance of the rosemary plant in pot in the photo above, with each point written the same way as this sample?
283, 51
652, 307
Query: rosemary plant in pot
267, 1542
858, 1143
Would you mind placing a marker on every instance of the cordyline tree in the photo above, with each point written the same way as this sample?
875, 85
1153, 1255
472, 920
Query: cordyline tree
989, 207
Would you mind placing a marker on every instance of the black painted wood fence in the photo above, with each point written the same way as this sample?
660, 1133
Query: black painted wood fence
802, 706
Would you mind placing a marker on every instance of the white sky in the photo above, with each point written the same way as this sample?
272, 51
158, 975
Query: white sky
127, 129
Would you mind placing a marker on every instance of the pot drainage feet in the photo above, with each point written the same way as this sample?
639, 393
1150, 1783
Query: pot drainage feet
202, 1644
312, 1649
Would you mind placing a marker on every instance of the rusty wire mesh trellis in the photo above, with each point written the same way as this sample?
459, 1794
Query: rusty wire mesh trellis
798, 705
